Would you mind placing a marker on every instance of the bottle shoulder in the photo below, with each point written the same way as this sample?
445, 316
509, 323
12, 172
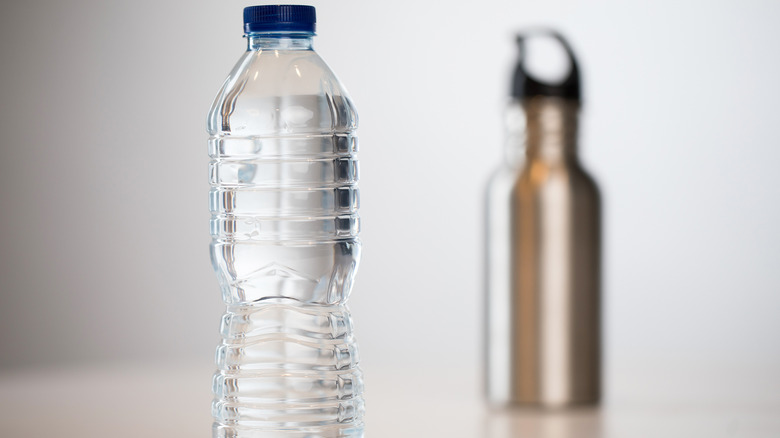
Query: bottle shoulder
538, 175
281, 92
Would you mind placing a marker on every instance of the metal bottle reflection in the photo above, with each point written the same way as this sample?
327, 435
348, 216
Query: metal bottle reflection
543, 257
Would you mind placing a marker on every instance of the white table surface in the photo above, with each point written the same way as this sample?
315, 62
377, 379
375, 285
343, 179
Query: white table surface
173, 401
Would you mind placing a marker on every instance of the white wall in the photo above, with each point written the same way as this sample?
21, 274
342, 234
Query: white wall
103, 173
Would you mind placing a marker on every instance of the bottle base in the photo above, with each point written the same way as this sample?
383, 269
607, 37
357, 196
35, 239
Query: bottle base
351, 431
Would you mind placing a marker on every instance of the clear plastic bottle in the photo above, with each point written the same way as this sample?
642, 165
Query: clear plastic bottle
284, 227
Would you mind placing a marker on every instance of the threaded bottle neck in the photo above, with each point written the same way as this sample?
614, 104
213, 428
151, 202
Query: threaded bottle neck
551, 128
279, 41
542, 129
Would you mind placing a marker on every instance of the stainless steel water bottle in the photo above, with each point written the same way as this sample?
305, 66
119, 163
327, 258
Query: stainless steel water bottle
543, 250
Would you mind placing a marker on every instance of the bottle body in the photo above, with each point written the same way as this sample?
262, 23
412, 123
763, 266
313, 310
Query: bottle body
285, 248
543, 265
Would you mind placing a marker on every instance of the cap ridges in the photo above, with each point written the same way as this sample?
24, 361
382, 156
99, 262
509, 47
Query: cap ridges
280, 18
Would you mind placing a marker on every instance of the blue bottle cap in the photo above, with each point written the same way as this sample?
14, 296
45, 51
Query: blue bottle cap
280, 18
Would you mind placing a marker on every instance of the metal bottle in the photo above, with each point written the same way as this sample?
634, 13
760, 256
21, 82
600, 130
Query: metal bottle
543, 251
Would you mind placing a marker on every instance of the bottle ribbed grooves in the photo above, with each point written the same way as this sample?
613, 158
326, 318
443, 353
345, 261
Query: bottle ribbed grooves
281, 365
287, 365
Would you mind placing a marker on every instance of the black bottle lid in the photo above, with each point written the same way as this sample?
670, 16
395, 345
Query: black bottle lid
525, 86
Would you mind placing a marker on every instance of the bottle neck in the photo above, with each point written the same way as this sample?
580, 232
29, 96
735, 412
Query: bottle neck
279, 41
547, 131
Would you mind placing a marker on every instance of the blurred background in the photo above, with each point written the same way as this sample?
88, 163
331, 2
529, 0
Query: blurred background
103, 182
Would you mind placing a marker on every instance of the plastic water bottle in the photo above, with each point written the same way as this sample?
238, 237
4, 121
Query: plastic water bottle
284, 228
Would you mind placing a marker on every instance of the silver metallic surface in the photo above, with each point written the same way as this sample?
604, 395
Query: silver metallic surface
543, 264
